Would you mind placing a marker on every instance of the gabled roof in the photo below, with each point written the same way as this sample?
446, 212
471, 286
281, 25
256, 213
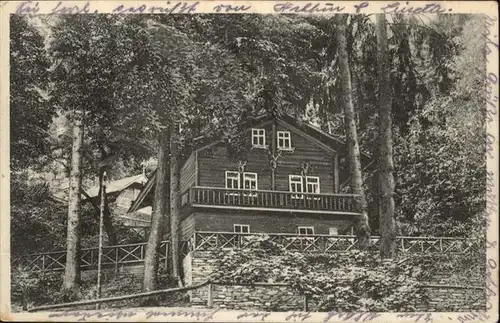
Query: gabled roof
118, 185
143, 194
313, 131
321, 135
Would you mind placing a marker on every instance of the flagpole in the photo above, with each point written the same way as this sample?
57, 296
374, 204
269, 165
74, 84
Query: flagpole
101, 229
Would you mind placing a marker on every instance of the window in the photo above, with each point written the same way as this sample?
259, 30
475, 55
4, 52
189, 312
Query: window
232, 180
250, 181
259, 138
333, 231
295, 183
312, 184
305, 230
284, 140
241, 228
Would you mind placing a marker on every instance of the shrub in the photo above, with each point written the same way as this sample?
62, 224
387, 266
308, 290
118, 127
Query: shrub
350, 281
33, 289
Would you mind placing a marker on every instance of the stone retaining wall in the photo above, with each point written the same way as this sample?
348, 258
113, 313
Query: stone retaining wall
277, 298
450, 298
443, 292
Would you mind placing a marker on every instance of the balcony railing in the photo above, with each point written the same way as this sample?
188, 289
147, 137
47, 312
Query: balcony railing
222, 197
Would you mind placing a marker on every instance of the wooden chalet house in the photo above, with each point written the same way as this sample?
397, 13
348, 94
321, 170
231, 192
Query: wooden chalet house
288, 181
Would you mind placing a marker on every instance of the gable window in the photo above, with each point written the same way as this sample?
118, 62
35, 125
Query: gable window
250, 181
305, 231
284, 140
259, 138
312, 184
241, 228
232, 180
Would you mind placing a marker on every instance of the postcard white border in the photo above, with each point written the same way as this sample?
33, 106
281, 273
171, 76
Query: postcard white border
266, 7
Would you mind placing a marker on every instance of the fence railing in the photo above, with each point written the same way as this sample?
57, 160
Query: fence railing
211, 196
328, 243
112, 257
130, 254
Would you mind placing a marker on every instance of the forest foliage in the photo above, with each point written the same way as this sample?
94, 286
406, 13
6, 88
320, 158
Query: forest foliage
228, 68
134, 76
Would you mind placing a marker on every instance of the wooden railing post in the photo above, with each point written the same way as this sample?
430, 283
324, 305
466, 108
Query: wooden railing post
117, 259
210, 301
305, 303
166, 255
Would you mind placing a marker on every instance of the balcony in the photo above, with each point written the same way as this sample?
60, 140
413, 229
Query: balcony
222, 198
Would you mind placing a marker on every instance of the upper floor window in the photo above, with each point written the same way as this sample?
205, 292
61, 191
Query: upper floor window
232, 180
258, 137
307, 184
241, 228
312, 184
284, 140
333, 231
250, 181
305, 230
295, 183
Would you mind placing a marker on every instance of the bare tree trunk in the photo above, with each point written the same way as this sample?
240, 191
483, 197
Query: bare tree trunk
110, 231
175, 205
363, 231
386, 178
108, 222
160, 207
72, 270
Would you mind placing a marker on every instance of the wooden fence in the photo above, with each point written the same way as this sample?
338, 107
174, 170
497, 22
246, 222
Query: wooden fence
133, 254
112, 257
328, 243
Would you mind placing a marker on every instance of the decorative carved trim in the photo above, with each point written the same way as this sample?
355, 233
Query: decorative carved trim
241, 166
273, 159
305, 168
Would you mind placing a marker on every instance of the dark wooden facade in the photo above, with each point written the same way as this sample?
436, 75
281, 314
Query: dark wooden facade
270, 205
213, 161
208, 205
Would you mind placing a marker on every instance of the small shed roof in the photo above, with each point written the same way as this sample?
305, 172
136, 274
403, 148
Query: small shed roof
118, 185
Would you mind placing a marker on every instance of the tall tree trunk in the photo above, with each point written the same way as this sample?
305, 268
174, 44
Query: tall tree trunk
108, 222
386, 178
72, 270
362, 225
175, 204
110, 231
160, 207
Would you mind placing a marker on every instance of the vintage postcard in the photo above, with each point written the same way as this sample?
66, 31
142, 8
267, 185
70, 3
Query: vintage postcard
274, 161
